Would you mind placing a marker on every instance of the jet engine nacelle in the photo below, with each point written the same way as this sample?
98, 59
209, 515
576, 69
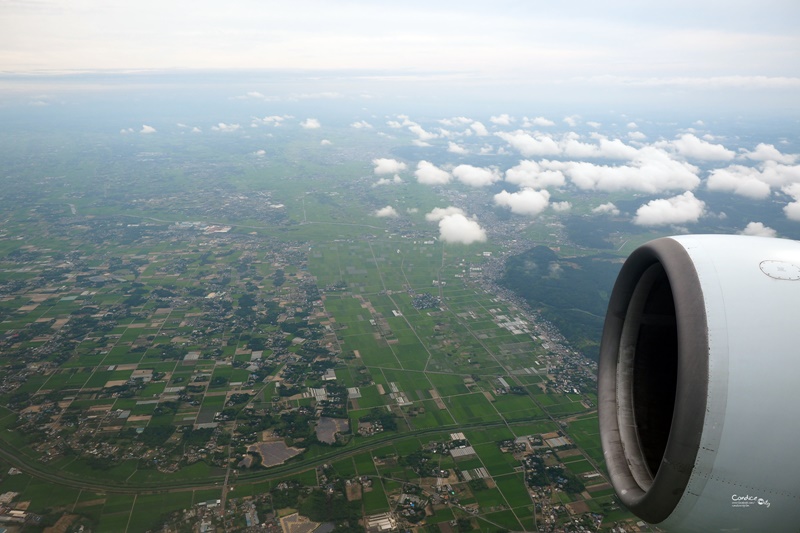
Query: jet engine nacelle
699, 384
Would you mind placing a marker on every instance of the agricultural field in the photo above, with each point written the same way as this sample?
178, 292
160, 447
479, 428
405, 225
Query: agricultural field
287, 342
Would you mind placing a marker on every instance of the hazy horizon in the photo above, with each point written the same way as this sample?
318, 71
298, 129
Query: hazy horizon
731, 58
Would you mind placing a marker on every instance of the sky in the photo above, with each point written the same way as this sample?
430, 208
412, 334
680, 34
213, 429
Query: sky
722, 52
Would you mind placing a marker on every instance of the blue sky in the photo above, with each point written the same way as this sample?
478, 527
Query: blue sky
720, 51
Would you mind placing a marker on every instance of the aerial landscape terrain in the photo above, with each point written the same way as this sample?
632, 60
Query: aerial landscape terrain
314, 300
254, 317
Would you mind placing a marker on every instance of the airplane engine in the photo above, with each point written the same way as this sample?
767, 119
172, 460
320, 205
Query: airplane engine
699, 384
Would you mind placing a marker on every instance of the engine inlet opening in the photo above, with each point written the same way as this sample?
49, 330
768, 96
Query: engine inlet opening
649, 360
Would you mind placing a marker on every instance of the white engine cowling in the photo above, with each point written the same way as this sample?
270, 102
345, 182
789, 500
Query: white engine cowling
699, 384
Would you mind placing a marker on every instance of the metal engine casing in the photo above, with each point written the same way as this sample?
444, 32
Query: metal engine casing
699, 383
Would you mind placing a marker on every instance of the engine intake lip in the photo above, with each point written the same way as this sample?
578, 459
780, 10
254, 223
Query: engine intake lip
653, 495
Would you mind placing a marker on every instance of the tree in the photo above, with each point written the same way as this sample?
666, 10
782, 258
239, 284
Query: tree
464, 525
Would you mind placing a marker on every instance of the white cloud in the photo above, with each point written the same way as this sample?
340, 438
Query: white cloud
290, 97
361, 124
537, 121
479, 129
561, 207
438, 213
325, 142
476, 176
758, 229
457, 228
524, 202
652, 171
260, 153
255, 95
196, 130
429, 174
632, 126
744, 181
387, 166
386, 212
125, 131
569, 145
571, 120
792, 209
689, 145
273, 120
418, 142
768, 152
528, 145
605, 148
456, 121
779, 174
421, 133
530, 174
387, 181
226, 128
502, 120
593, 124
147, 129
676, 210
636, 136
456, 149
310, 124
753, 182
412, 210
607, 208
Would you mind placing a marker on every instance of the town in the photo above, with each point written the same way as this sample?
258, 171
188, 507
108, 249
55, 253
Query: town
212, 354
